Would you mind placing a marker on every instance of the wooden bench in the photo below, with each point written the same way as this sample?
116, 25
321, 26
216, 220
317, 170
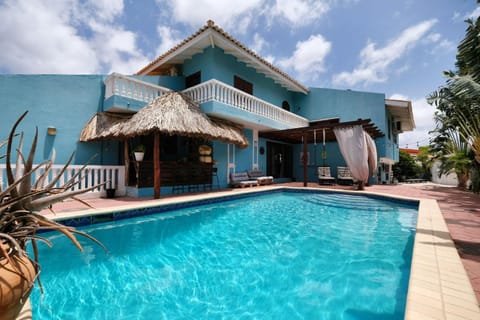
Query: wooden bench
324, 176
344, 176
241, 180
260, 177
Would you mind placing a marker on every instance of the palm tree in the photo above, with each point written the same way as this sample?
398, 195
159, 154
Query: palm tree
458, 108
455, 156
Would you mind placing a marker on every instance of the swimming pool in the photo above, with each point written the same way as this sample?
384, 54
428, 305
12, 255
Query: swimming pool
283, 255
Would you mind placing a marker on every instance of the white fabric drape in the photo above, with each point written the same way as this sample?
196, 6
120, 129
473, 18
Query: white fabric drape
372, 155
353, 147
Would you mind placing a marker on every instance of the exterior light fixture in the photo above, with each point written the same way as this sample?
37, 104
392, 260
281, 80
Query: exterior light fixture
51, 131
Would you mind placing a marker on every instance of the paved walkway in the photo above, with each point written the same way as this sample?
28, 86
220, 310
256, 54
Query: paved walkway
460, 209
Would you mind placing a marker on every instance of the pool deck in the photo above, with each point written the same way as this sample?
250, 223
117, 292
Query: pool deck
445, 274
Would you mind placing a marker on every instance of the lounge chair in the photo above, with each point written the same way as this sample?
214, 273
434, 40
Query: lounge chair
260, 177
241, 180
324, 176
344, 176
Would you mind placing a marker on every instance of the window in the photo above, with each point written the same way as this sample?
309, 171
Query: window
286, 105
193, 79
243, 85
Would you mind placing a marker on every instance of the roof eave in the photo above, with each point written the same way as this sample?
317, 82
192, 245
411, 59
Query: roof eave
215, 36
402, 111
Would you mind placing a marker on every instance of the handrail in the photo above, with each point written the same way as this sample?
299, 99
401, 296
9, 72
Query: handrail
118, 84
214, 90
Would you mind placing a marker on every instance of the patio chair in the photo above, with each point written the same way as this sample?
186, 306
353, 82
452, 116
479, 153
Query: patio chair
324, 176
260, 177
344, 176
241, 180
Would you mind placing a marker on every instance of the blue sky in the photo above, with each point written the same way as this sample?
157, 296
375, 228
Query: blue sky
399, 48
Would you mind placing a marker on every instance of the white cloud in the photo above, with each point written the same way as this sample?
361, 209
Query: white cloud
398, 96
440, 44
116, 48
169, 38
375, 62
37, 38
456, 16
106, 10
423, 117
434, 37
270, 58
71, 36
259, 43
309, 57
474, 14
445, 45
232, 14
299, 12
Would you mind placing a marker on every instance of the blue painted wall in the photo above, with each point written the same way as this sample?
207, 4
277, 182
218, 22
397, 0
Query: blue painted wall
215, 64
243, 157
347, 105
176, 83
66, 102
214, 107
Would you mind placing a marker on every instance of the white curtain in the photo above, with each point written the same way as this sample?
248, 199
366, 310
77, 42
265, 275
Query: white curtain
372, 155
353, 146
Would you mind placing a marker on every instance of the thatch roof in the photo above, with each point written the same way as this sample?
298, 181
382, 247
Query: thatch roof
172, 113
102, 126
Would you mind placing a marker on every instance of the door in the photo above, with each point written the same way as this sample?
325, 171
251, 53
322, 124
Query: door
279, 160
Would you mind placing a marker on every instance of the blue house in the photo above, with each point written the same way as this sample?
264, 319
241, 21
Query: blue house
280, 119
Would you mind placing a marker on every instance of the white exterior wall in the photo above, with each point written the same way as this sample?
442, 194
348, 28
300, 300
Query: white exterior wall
447, 179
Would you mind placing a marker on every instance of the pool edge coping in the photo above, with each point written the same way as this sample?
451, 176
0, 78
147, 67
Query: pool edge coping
439, 287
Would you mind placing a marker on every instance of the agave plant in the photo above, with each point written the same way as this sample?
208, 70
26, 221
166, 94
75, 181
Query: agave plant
28, 191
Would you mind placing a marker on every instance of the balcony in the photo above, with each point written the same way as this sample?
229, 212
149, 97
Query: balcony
124, 93
127, 87
217, 91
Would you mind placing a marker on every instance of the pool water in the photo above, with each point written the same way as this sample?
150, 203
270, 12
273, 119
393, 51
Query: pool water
285, 255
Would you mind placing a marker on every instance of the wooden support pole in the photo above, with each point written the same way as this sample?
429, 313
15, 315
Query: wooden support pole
156, 165
126, 157
305, 161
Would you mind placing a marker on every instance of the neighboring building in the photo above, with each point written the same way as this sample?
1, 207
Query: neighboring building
412, 152
446, 179
231, 83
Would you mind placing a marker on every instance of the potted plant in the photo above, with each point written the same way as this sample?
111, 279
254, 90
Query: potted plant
139, 152
26, 193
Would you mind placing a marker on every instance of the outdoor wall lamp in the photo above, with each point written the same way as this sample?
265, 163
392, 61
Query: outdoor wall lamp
51, 131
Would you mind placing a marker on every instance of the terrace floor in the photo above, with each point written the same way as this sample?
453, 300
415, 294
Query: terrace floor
460, 209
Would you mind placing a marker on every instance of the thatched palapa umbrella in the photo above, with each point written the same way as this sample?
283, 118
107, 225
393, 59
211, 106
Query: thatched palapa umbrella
103, 126
172, 113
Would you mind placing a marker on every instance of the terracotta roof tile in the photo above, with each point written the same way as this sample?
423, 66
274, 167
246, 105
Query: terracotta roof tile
211, 25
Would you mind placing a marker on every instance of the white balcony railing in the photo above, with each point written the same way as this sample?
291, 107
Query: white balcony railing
118, 84
112, 176
214, 90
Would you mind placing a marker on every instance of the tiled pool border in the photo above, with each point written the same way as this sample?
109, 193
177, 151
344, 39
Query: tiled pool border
439, 287
127, 213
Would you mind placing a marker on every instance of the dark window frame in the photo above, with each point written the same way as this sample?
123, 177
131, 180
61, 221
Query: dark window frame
193, 79
243, 85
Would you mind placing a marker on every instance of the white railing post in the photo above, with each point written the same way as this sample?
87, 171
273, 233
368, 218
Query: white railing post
118, 84
112, 176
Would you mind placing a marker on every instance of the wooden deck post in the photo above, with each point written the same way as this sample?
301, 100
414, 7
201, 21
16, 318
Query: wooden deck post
156, 165
126, 157
305, 160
